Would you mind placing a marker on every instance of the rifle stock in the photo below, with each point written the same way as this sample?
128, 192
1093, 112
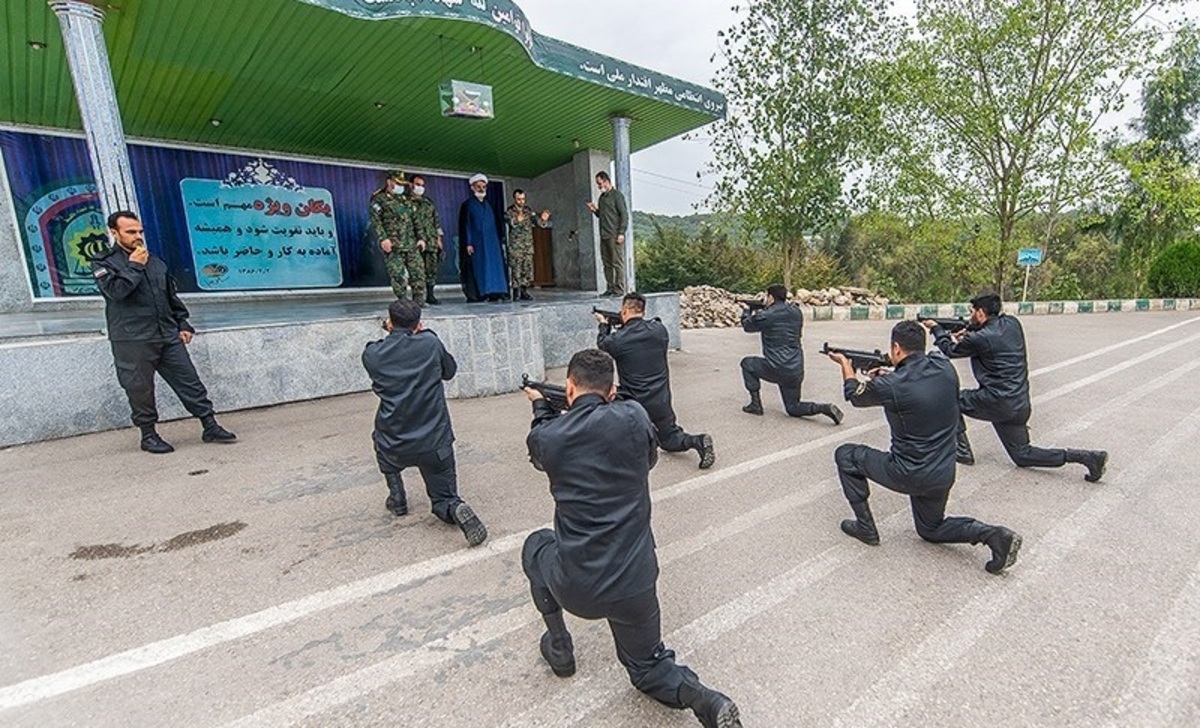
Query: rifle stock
613, 318
752, 303
862, 361
949, 324
555, 395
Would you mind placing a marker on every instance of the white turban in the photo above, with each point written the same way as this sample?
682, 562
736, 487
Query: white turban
479, 177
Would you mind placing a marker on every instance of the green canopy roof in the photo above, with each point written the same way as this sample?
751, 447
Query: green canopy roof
352, 79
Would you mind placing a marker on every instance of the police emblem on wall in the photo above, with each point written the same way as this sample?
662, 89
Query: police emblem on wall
63, 229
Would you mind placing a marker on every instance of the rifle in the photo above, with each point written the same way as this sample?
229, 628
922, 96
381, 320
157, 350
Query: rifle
555, 395
613, 318
752, 303
863, 361
951, 325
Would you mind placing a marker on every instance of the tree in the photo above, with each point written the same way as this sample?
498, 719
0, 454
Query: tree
801, 78
1001, 104
1162, 200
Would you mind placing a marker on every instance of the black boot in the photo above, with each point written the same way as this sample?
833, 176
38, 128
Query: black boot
558, 649
711, 708
1004, 545
154, 444
431, 299
962, 449
832, 412
525, 294
214, 432
472, 528
863, 527
704, 446
1094, 460
755, 406
397, 500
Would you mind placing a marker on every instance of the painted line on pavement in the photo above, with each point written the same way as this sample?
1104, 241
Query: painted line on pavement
156, 653
588, 694
887, 701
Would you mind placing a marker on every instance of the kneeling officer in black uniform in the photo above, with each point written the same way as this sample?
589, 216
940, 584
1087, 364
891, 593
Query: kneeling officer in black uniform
412, 426
599, 561
996, 344
782, 361
920, 400
639, 347
149, 332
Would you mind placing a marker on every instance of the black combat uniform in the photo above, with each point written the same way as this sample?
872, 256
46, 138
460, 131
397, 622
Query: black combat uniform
640, 350
145, 317
599, 561
412, 424
782, 362
920, 401
998, 360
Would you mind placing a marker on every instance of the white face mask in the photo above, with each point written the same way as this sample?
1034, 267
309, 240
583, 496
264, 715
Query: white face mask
480, 195
398, 189
418, 190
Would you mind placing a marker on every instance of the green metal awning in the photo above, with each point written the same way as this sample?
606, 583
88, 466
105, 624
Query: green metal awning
350, 79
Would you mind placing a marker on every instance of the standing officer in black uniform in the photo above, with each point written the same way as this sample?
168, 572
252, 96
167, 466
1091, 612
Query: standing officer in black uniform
782, 361
996, 344
149, 332
639, 347
412, 425
599, 561
920, 401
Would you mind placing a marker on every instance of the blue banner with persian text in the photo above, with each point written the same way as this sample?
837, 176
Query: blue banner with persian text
222, 221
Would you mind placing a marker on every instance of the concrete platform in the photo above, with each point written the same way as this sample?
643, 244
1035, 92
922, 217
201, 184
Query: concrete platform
57, 376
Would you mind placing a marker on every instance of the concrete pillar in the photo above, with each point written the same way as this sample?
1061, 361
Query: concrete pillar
624, 183
587, 163
83, 40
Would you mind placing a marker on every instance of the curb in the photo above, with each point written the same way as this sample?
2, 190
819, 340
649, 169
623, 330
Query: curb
1029, 308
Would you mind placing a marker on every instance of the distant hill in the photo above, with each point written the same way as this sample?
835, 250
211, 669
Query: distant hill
643, 223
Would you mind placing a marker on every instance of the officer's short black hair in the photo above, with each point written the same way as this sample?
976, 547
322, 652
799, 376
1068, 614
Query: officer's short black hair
634, 301
603, 175
987, 302
910, 335
778, 292
113, 218
404, 314
592, 371
518, 191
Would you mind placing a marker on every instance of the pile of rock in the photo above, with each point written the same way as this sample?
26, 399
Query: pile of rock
705, 307
844, 296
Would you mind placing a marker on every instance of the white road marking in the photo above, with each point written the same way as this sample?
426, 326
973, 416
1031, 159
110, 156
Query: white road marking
156, 653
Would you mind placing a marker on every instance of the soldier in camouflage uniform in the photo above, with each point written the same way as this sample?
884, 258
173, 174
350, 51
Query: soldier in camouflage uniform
429, 231
521, 219
394, 224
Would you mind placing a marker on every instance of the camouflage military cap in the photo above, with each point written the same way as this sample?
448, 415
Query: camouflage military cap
398, 175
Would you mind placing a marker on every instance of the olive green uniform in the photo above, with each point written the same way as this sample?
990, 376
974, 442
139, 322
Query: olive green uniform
429, 229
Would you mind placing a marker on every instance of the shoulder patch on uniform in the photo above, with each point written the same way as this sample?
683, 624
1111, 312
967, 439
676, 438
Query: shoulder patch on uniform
100, 273
862, 387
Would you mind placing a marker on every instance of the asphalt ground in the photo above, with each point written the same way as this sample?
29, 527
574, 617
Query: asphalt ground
264, 584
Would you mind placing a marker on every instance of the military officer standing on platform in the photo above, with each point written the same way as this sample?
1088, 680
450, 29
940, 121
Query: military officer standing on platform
995, 343
920, 400
429, 233
521, 219
639, 347
149, 332
599, 561
782, 362
613, 213
412, 425
395, 226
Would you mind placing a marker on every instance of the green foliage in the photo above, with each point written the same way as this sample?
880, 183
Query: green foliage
1176, 271
997, 109
670, 260
802, 80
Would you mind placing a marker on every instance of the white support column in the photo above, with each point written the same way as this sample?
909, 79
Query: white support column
83, 40
624, 183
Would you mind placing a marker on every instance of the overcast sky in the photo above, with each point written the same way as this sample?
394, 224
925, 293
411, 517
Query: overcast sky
672, 36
